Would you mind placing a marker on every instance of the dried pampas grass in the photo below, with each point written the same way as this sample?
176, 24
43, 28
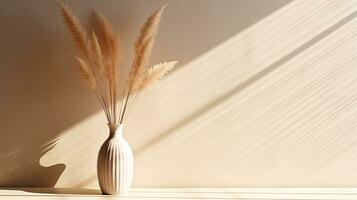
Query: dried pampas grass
101, 56
78, 32
154, 74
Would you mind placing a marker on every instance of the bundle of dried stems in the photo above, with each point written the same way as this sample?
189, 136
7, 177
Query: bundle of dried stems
100, 59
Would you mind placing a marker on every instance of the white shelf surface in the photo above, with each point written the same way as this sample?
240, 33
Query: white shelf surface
184, 193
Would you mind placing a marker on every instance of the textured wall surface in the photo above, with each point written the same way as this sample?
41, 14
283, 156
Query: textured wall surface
264, 95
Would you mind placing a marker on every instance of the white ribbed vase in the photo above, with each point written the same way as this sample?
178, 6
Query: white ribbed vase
115, 163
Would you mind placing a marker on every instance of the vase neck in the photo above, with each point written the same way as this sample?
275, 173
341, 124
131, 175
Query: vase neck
116, 130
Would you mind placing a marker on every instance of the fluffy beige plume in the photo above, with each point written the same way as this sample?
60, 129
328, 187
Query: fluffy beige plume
86, 73
143, 46
98, 55
150, 28
111, 47
156, 73
78, 32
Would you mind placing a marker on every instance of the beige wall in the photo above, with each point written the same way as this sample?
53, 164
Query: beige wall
264, 95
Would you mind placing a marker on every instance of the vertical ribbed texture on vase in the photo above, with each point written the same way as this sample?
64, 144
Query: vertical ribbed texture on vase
115, 163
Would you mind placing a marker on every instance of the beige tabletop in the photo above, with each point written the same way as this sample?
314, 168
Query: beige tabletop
182, 193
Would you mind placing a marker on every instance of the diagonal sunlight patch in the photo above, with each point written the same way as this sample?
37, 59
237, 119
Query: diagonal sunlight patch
256, 110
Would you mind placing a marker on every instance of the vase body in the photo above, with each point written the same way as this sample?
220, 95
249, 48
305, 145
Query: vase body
115, 163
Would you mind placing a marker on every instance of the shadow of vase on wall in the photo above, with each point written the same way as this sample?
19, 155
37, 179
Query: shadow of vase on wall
29, 172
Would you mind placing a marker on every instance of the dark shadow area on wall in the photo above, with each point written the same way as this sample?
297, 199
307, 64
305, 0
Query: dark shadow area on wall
40, 94
27, 171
